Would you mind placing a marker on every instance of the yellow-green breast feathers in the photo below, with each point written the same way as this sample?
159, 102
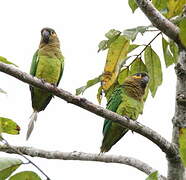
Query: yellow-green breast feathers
47, 64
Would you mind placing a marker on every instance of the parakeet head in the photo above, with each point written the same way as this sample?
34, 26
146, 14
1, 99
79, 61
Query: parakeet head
48, 35
142, 78
135, 85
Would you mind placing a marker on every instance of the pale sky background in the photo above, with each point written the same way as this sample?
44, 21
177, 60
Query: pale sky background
80, 26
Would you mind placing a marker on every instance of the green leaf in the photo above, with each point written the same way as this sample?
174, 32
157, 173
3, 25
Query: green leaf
99, 94
182, 34
174, 49
112, 35
25, 175
153, 176
132, 47
160, 4
182, 145
116, 56
153, 64
9, 126
137, 66
133, 5
90, 83
122, 75
4, 60
2, 91
169, 59
132, 33
175, 7
103, 45
7, 166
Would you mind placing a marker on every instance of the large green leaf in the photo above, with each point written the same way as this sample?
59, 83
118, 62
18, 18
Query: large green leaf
132, 47
175, 7
7, 166
133, 32
122, 75
100, 94
9, 126
116, 56
182, 145
174, 49
25, 175
4, 60
153, 64
90, 83
137, 66
133, 5
111, 35
169, 59
160, 4
153, 176
182, 34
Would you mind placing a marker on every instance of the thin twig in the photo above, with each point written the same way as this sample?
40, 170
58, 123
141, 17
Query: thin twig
17, 151
137, 56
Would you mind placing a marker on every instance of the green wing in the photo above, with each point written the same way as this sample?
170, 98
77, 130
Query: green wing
62, 68
34, 64
112, 105
33, 70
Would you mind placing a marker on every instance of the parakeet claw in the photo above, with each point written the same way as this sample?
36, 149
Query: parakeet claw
128, 119
54, 84
43, 81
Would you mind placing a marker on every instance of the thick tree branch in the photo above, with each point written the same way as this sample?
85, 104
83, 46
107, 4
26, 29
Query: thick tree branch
158, 20
164, 145
175, 167
33, 152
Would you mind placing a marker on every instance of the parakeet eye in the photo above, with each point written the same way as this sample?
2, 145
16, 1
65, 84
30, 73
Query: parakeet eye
52, 33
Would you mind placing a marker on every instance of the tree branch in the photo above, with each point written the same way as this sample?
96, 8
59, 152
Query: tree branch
33, 152
158, 20
162, 143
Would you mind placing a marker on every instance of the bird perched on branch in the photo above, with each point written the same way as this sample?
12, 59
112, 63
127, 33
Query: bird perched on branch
126, 100
47, 64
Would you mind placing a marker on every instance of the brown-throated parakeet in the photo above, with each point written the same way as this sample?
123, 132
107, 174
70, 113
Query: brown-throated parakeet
47, 64
126, 100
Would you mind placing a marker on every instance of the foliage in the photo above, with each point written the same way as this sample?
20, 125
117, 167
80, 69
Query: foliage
9, 126
153, 176
4, 60
182, 34
8, 166
25, 175
182, 144
169, 8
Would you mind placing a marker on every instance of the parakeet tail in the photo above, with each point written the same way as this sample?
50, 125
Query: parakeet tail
33, 119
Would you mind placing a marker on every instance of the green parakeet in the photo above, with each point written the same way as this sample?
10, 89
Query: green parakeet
47, 64
126, 100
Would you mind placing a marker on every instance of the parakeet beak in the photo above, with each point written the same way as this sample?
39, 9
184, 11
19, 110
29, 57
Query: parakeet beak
46, 36
144, 81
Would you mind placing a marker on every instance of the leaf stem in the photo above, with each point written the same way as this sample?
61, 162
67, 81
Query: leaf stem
137, 56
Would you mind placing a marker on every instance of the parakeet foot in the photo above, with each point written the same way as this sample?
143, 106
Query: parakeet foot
54, 84
43, 81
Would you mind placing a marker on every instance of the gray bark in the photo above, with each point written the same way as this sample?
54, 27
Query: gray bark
175, 166
81, 156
